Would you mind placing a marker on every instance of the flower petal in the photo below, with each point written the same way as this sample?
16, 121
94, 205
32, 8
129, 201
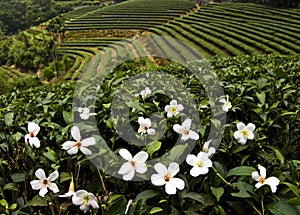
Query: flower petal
177, 128
81, 193
54, 175
73, 151
141, 167
262, 171
88, 141
36, 184
77, 200
250, 135
125, 154
53, 187
27, 137
93, 203
128, 176
67, 145
35, 142
180, 107
157, 179
84, 208
272, 182
187, 124
178, 182
75, 133
151, 131
43, 191
191, 159
255, 176
160, 168
125, 168
167, 108
85, 150
141, 120
250, 127
238, 135
141, 156
196, 171
170, 188
147, 123
223, 100
173, 168
258, 185
40, 174
84, 116
193, 135
240, 126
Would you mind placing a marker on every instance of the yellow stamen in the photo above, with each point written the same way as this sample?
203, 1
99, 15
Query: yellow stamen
199, 163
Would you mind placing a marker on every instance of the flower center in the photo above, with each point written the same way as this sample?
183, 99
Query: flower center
168, 177
132, 162
199, 163
245, 133
45, 182
77, 144
186, 132
86, 199
173, 109
228, 104
262, 180
31, 134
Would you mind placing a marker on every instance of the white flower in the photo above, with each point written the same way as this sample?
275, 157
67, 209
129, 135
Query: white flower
227, 104
185, 131
85, 113
136, 163
31, 138
128, 205
200, 164
85, 200
145, 126
207, 149
244, 132
173, 109
144, 93
262, 180
165, 177
71, 191
73, 146
43, 183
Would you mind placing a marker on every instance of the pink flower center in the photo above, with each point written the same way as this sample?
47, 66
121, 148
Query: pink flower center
31, 134
168, 177
77, 144
262, 180
45, 182
133, 162
186, 132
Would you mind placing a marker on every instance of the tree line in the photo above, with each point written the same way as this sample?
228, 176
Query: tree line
17, 15
275, 3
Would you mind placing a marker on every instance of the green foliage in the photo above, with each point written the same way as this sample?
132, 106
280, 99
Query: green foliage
262, 89
48, 73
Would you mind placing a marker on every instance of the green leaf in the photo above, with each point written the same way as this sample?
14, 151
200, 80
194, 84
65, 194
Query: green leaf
64, 176
293, 188
4, 203
18, 177
51, 155
261, 97
176, 152
68, 117
17, 136
281, 208
38, 201
9, 118
155, 210
216, 122
153, 147
195, 196
147, 194
217, 191
241, 170
239, 148
11, 186
117, 205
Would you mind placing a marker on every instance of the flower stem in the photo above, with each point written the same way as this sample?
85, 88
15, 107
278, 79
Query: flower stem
102, 182
252, 205
223, 179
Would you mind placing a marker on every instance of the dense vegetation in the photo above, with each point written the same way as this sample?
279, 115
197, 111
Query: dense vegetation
251, 123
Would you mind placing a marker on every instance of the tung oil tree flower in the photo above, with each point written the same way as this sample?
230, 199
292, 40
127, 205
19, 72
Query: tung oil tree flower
44, 183
262, 180
244, 132
85, 200
226, 104
165, 177
173, 109
145, 126
71, 191
133, 164
207, 149
144, 93
201, 163
185, 131
31, 138
85, 113
73, 146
